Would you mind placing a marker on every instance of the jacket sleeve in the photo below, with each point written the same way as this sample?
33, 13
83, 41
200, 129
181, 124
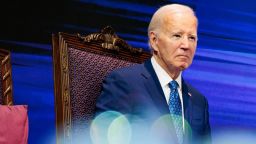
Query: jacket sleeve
114, 95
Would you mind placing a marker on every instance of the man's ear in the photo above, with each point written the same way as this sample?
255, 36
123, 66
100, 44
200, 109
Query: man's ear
153, 40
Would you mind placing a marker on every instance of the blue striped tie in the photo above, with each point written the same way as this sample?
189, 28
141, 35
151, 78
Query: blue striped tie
176, 110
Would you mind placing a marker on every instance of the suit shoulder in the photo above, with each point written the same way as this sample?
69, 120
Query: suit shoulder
128, 70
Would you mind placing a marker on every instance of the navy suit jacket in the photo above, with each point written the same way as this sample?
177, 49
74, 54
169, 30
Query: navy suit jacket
136, 92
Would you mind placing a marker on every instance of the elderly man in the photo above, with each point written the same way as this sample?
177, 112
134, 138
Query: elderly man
154, 89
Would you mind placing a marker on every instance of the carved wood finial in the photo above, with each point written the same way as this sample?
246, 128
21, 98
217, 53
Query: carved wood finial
109, 40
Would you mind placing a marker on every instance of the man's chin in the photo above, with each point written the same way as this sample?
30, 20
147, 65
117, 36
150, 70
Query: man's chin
183, 66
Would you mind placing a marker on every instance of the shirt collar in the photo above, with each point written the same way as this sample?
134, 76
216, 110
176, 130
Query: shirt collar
162, 75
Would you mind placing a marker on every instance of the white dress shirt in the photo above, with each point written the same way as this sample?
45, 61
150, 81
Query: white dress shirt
164, 80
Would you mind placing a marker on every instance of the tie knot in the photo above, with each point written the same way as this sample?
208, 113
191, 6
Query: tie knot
173, 85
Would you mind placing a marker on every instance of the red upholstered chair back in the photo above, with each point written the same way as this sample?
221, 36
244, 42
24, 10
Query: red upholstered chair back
80, 65
6, 78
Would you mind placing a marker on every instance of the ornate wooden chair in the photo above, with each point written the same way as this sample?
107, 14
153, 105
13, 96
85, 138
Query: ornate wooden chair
80, 65
6, 78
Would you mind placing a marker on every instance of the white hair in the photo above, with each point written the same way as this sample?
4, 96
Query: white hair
167, 10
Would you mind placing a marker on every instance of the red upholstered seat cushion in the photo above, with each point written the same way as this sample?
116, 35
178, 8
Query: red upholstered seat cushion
14, 124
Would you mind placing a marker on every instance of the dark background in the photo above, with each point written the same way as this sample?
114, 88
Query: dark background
223, 69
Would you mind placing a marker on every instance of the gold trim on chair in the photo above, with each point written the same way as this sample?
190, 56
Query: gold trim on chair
62, 90
6, 77
109, 40
65, 87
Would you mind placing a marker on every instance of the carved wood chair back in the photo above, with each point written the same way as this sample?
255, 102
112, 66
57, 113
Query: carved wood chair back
80, 65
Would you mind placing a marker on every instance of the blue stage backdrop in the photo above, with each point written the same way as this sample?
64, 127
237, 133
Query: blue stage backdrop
224, 68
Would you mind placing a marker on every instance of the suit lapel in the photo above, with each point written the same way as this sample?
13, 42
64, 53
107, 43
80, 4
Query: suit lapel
154, 88
186, 95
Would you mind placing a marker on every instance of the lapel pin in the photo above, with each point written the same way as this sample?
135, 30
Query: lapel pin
189, 94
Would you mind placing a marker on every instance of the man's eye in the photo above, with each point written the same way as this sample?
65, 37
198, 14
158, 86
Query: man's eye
177, 36
192, 38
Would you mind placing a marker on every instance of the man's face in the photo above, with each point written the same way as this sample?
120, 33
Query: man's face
175, 43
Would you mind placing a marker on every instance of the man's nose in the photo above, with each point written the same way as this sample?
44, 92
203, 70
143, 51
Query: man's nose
185, 43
